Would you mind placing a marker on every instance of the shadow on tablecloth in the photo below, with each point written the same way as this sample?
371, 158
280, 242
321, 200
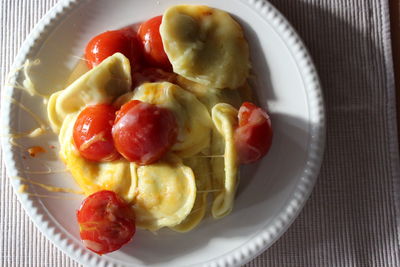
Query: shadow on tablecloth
350, 219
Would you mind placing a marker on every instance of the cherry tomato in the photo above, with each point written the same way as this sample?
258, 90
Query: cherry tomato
149, 35
106, 222
253, 137
108, 43
92, 133
144, 132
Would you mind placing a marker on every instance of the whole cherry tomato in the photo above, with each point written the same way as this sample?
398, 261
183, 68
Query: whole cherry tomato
144, 132
149, 35
253, 137
92, 133
106, 222
108, 43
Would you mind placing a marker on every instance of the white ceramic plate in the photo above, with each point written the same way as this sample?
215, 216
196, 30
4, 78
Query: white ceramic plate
271, 193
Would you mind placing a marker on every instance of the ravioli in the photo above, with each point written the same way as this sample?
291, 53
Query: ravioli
205, 45
193, 118
200, 165
166, 193
95, 176
225, 168
102, 84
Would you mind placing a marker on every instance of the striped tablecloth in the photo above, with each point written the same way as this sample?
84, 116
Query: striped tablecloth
352, 217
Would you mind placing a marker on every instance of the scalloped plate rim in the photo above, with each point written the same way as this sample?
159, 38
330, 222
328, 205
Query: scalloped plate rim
266, 236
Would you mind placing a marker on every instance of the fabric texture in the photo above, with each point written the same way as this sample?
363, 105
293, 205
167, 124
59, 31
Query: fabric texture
351, 218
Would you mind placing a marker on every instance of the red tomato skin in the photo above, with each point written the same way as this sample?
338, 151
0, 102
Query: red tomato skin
108, 43
93, 122
144, 132
154, 53
106, 222
253, 137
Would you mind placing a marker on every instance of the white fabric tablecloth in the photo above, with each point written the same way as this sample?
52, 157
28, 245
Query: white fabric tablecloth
352, 216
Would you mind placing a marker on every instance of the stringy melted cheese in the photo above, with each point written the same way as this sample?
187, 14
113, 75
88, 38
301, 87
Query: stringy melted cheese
95, 176
193, 118
201, 167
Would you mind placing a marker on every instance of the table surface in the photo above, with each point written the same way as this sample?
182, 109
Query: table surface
351, 217
395, 31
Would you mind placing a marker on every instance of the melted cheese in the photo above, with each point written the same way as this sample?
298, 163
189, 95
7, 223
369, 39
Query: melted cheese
102, 84
211, 96
23, 188
225, 170
95, 176
205, 45
162, 194
192, 116
207, 48
166, 193
201, 168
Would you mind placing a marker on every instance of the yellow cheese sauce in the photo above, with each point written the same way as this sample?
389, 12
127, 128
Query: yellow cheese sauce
23, 189
50, 188
28, 87
42, 128
27, 84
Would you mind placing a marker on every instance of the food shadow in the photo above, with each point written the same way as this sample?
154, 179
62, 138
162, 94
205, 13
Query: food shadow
262, 192
260, 75
260, 183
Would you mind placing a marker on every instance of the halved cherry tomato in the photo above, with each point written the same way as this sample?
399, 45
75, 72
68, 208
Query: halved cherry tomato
149, 35
106, 222
108, 43
92, 133
253, 137
144, 132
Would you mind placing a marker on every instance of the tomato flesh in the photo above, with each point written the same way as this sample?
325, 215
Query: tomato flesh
154, 53
144, 132
92, 133
253, 136
106, 44
106, 222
